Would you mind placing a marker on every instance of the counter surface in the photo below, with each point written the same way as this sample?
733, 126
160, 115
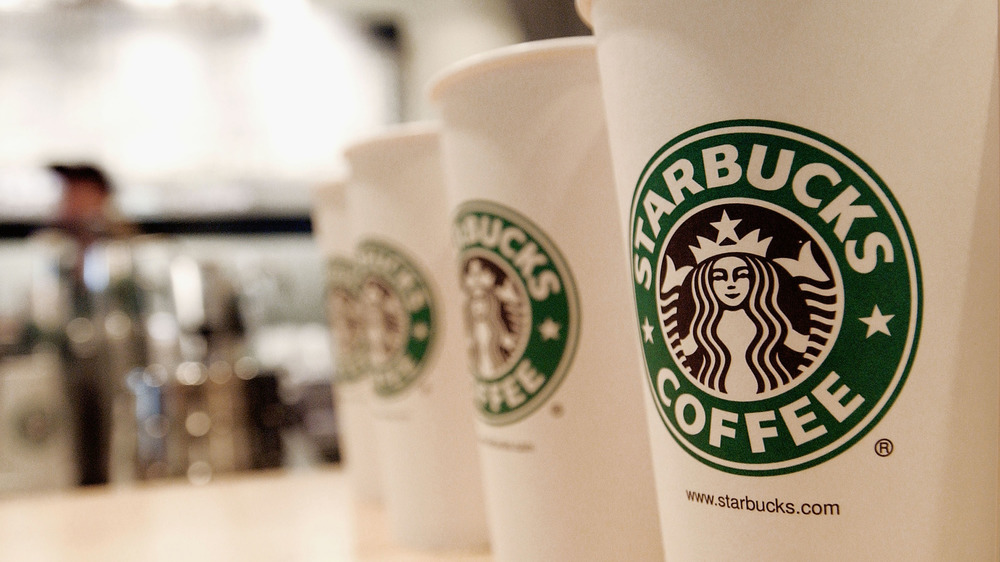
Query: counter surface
276, 516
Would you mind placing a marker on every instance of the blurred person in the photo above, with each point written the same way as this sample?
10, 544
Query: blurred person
85, 217
86, 211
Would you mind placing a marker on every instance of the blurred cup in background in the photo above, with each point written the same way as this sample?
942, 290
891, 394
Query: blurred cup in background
353, 390
411, 325
545, 295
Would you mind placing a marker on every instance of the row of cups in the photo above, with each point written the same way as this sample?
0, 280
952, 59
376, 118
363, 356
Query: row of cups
657, 291
488, 242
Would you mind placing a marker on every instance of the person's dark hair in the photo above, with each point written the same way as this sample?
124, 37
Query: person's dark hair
73, 173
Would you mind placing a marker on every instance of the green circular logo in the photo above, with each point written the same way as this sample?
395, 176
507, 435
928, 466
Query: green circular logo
397, 316
778, 295
521, 312
343, 312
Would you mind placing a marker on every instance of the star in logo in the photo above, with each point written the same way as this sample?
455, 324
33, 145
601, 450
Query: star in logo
726, 228
877, 322
647, 330
549, 329
421, 331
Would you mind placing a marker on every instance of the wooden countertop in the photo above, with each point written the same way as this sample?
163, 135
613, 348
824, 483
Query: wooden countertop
258, 517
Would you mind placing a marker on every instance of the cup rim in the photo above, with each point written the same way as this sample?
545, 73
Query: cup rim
486, 61
583, 8
392, 134
328, 190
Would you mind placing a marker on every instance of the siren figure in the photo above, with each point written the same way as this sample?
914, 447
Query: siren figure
495, 316
483, 317
385, 322
739, 327
739, 342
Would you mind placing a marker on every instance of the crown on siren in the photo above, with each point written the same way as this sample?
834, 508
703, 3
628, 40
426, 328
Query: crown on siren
478, 279
728, 242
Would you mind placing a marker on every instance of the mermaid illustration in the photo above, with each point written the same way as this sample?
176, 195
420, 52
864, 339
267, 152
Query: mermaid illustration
385, 322
725, 315
495, 318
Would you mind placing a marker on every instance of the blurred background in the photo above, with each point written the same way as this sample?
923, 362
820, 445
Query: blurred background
161, 294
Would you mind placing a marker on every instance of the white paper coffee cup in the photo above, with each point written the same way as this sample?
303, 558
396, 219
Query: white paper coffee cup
412, 326
562, 436
353, 392
838, 162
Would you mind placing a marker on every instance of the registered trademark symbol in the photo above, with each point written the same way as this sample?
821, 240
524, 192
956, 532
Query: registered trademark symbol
883, 447
557, 410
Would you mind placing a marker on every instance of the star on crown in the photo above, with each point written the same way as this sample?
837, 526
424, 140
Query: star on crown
478, 279
728, 241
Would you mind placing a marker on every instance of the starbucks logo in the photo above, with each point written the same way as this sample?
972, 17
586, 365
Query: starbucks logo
778, 295
344, 315
397, 319
521, 312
